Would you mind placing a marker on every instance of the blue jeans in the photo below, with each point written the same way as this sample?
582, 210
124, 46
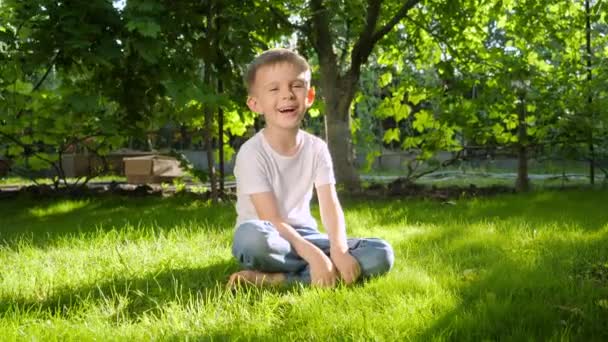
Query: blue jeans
258, 246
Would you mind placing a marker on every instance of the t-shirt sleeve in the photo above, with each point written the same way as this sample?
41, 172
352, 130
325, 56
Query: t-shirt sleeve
250, 173
324, 172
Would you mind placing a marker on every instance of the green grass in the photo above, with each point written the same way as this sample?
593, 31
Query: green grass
515, 267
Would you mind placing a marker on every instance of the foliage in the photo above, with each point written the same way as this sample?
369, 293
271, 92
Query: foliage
420, 76
95, 77
474, 78
44, 114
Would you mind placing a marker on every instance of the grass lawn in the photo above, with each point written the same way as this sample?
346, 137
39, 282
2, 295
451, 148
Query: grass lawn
514, 267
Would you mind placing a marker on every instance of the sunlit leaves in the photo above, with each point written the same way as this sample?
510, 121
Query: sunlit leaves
237, 122
314, 112
535, 61
415, 96
391, 135
424, 120
20, 87
393, 107
385, 79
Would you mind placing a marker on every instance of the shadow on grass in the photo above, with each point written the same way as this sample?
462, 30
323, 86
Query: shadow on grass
505, 296
127, 298
549, 294
42, 222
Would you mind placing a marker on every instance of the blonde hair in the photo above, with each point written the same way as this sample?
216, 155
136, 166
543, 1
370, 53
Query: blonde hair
273, 57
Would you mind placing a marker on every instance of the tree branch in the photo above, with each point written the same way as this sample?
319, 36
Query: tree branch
48, 71
433, 35
411, 170
285, 20
401, 13
369, 37
42, 79
323, 39
25, 146
344, 48
364, 44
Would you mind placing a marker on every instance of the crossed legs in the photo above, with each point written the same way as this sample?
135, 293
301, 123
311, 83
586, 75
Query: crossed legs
269, 259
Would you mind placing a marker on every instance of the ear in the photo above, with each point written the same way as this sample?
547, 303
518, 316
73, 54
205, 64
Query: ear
310, 97
252, 103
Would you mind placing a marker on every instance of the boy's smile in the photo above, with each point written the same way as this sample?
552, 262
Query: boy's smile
282, 93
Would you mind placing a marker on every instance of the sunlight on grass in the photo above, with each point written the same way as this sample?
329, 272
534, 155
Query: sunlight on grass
515, 267
62, 207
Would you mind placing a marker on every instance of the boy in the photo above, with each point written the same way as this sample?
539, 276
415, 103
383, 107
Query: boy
276, 238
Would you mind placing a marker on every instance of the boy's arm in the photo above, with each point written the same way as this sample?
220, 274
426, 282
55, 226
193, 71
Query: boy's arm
321, 268
332, 217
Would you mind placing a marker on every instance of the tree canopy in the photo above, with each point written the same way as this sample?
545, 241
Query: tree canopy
421, 76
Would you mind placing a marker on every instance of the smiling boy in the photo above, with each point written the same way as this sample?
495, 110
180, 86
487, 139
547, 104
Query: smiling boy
276, 238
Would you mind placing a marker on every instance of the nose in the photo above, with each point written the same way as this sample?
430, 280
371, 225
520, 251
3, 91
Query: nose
287, 93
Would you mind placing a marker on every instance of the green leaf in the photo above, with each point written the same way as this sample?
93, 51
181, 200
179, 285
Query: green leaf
355, 125
23, 88
416, 97
146, 26
391, 135
402, 111
385, 79
36, 163
424, 119
15, 150
229, 152
501, 22
411, 142
497, 129
530, 120
511, 121
314, 112
370, 158
27, 139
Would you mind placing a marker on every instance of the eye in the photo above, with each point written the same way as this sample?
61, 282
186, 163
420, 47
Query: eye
298, 85
273, 89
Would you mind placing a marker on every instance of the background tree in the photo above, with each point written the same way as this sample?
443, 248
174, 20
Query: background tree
438, 76
342, 40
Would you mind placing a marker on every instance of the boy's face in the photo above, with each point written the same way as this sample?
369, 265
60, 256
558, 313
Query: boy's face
282, 93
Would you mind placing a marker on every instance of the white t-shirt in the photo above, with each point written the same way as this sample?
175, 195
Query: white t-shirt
259, 168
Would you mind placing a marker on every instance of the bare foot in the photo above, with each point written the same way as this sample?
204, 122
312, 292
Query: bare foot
255, 278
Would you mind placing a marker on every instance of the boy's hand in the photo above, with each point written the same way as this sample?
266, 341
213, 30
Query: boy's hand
347, 265
323, 273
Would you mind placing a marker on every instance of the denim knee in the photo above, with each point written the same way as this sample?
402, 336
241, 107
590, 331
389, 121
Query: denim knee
250, 244
376, 257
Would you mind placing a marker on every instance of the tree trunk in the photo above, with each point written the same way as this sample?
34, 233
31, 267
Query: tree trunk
340, 145
208, 137
209, 147
220, 124
210, 82
338, 96
339, 87
590, 98
523, 183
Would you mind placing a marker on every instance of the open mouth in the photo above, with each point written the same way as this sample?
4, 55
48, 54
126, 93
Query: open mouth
287, 110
